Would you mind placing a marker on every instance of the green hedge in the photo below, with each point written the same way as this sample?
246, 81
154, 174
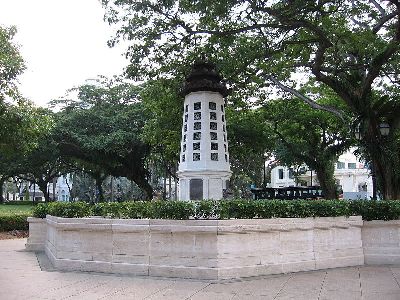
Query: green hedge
224, 209
18, 203
14, 222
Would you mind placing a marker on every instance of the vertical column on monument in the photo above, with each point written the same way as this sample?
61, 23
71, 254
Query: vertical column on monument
204, 159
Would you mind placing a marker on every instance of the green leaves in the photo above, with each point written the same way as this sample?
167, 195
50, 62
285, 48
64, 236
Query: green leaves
236, 209
11, 65
102, 131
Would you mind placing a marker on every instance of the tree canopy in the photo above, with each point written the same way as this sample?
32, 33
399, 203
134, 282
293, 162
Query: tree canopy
348, 46
103, 130
11, 65
21, 124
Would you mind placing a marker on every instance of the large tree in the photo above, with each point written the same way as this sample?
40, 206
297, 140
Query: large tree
21, 124
349, 46
11, 65
103, 128
308, 136
42, 165
251, 141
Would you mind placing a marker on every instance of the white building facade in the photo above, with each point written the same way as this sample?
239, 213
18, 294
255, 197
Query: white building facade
63, 186
204, 159
59, 190
352, 177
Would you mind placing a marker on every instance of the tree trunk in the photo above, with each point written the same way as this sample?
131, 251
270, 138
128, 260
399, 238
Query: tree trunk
2, 181
112, 188
144, 185
99, 187
43, 187
385, 160
327, 181
54, 188
164, 195
388, 181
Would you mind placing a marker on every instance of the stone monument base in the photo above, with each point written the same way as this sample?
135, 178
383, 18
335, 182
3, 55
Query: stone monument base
203, 249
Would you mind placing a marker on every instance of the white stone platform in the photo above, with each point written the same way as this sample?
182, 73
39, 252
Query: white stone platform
203, 249
21, 277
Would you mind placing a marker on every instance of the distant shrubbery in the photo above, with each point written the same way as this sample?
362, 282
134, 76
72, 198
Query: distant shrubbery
18, 203
13, 217
224, 209
14, 222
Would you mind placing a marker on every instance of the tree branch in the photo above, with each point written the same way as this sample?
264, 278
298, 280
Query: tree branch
306, 99
308, 160
382, 58
378, 6
383, 20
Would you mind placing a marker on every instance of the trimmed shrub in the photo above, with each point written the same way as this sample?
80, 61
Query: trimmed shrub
63, 209
207, 209
14, 222
41, 210
377, 210
19, 203
176, 210
224, 209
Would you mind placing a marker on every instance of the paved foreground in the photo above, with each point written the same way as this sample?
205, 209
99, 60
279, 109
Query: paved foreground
21, 277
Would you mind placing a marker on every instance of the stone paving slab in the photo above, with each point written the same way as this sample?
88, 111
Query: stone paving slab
21, 277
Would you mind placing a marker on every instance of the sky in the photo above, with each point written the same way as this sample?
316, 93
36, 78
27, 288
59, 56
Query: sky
63, 43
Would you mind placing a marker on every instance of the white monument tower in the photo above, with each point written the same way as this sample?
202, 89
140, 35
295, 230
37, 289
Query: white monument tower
204, 160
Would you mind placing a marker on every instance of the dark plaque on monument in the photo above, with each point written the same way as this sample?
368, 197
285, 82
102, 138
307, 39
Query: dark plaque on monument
196, 189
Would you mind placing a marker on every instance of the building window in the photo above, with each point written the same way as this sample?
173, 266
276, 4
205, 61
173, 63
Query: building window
223, 128
212, 105
362, 187
184, 148
186, 108
340, 165
184, 138
351, 165
186, 117
213, 115
225, 147
222, 108
213, 125
226, 158
196, 156
213, 136
197, 135
223, 118
196, 146
197, 105
197, 125
214, 156
224, 138
197, 115
183, 157
280, 173
214, 146
185, 128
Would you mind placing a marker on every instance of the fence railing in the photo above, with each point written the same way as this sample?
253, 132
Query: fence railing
288, 193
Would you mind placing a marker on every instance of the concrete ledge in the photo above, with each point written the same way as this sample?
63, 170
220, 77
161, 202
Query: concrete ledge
381, 242
37, 234
202, 249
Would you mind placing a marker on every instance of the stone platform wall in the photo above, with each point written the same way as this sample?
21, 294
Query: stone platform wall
203, 249
381, 241
37, 234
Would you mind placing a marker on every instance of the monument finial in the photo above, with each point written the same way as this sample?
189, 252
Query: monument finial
204, 77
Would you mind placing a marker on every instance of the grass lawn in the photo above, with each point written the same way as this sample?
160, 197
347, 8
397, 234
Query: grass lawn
6, 210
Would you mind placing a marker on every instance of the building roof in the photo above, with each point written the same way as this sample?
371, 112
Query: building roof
204, 77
